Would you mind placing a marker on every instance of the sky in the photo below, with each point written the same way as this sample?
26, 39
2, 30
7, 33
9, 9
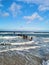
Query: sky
24, 15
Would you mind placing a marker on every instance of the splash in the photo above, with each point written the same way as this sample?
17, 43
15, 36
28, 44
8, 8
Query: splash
45, 62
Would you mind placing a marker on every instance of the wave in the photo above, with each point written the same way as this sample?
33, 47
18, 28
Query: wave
15, 50
9, 37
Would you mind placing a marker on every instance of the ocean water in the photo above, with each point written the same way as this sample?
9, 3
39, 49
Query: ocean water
38, 47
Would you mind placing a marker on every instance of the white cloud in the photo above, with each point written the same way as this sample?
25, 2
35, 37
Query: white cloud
47, 22
15, 9
34, 1
44, 3
33, 17
43, 8
34, 28
28, 1
5, 14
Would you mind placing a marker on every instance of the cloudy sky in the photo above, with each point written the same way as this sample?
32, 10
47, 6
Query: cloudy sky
31, 15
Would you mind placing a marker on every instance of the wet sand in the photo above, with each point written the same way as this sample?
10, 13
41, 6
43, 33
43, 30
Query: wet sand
18, 58
30, 53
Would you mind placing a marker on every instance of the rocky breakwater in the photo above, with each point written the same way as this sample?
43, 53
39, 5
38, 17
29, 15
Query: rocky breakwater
19, 58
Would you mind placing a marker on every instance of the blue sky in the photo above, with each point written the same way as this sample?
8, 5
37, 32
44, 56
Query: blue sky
26, 15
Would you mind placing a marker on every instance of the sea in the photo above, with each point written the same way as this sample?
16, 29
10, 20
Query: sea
38, 46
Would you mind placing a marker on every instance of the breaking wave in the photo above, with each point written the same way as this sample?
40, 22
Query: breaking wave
14, 50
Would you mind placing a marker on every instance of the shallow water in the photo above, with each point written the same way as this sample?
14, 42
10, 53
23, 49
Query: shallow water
15, 50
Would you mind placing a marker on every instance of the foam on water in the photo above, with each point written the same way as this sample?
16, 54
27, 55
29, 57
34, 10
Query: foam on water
21, 48
36, 47
45, 62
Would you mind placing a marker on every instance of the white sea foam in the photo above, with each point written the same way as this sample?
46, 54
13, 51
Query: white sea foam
20, 43
45, 39
9, 37
45, 62
21, 48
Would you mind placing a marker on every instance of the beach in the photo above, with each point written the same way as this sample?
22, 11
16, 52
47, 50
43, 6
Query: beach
30, 55
14, 50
